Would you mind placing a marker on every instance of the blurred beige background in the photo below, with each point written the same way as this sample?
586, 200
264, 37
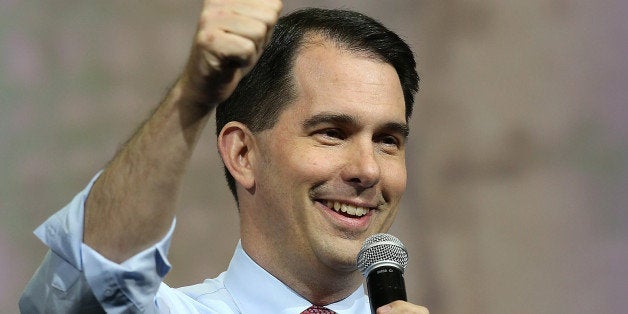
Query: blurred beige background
518, 163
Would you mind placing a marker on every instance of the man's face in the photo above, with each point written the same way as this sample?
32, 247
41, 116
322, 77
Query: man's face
332, 170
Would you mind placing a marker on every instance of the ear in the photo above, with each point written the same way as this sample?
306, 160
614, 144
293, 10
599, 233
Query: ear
235, 144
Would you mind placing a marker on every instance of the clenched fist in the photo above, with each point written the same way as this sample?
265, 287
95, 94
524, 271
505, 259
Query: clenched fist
231, 36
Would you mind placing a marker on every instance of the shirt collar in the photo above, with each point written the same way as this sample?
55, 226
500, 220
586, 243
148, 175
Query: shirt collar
254, 290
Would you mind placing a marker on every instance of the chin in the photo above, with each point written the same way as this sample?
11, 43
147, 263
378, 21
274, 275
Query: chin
344, 253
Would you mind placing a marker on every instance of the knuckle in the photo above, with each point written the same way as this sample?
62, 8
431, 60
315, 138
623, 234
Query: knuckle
278, 5
248, 48
260, 31
403, 307
206, 17
204, 39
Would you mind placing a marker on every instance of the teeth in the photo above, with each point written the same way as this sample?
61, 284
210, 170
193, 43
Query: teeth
349, 209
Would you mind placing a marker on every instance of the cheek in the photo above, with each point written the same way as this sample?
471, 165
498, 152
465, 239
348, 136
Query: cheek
394, 176
310, 164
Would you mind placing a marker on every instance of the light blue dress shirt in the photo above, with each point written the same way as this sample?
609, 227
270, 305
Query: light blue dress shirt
73, 278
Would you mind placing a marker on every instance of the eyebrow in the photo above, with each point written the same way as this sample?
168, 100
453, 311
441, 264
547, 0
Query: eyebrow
329, 117
401, 128
341, 118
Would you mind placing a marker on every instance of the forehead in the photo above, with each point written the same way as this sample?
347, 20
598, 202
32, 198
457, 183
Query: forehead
328, 77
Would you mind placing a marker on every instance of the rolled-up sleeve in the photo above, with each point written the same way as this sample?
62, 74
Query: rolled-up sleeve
73, 277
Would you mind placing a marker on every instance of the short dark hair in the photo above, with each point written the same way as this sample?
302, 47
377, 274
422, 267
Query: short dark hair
268, 88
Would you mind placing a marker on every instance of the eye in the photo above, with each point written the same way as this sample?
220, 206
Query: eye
332, 133
390, 140
389, 143
329, 136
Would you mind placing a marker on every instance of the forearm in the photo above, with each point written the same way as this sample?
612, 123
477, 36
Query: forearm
132, 204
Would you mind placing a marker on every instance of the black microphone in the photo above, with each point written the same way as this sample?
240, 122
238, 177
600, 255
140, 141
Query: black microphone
382, 260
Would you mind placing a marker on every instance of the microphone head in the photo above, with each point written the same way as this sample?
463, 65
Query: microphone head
382, 249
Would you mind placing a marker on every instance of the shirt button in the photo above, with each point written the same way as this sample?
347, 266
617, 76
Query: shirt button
108, 292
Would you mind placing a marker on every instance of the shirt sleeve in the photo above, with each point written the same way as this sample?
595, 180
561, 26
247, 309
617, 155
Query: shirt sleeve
73, 277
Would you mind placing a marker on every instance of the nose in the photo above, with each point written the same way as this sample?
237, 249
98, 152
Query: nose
362, 168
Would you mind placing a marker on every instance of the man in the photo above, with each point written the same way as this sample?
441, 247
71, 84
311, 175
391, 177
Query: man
312, 140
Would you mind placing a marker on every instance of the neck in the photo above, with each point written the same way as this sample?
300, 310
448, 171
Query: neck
317, 283
323, 287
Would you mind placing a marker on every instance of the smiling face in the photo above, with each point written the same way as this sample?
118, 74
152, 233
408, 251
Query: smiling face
332, 170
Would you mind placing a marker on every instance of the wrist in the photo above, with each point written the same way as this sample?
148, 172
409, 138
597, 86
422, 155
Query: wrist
191, 93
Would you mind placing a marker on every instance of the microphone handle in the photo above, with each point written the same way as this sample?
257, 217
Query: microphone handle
385, 284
